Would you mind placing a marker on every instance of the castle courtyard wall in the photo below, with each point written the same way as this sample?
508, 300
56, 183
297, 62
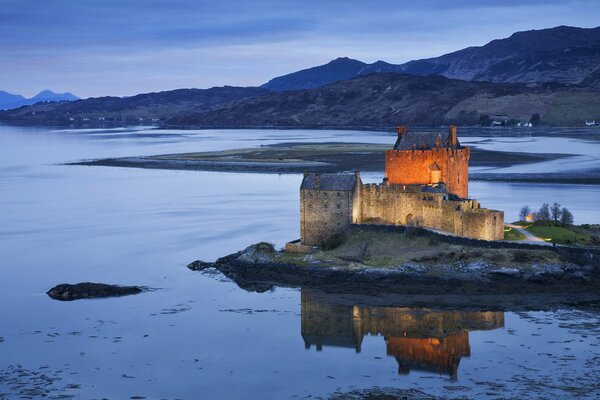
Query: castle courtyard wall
399, 205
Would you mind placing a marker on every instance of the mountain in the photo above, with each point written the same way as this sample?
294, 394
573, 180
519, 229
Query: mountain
367, 101
9, 101
48, 95
562, 54
336, 70
387, 99
159, 105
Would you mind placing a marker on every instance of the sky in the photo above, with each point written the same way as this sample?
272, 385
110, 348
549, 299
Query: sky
120, 47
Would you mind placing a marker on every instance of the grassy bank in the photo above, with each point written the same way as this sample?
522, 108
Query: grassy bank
389, 249
588, 235
512, 234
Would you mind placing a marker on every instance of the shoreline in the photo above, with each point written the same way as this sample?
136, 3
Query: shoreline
422, 267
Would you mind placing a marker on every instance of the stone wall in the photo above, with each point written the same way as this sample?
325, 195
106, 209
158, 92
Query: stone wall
412, 167
323, 213
406, 205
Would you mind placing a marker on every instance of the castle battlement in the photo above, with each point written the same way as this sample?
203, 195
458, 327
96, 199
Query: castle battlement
426, 184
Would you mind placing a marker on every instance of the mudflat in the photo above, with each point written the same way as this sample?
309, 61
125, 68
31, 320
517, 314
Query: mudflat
291, 158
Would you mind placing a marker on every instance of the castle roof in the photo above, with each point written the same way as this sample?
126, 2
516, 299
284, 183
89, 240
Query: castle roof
423, 140
318, 181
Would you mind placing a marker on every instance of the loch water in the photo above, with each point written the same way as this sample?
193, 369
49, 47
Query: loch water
201, 336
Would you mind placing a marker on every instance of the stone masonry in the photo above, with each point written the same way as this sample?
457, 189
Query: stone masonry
414, 192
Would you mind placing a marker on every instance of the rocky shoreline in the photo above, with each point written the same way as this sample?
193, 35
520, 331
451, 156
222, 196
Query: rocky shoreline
477, 283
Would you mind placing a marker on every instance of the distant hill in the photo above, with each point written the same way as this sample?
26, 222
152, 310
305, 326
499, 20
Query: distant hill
147, 106
562, 54
388, 99
9, 101
551, 72
336, 70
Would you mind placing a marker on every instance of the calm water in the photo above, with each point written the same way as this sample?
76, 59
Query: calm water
200, 336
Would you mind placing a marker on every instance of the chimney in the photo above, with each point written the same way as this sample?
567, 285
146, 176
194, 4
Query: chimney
305, 173
357, 175
453, 138
401, 131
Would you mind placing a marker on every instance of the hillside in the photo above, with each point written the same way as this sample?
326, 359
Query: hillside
387, 99
148, 106
336, 70
562, 54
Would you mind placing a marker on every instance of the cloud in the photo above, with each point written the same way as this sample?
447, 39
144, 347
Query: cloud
102, 47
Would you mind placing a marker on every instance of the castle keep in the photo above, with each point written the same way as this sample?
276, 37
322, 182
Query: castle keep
425, 184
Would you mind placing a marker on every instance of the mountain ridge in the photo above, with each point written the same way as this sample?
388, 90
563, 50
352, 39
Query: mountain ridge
10, 101
561, 54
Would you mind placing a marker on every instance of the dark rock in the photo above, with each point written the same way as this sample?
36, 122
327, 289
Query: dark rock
200, 265
89, 290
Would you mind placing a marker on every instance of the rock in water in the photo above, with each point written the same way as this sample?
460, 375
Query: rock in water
89, 290
200, 265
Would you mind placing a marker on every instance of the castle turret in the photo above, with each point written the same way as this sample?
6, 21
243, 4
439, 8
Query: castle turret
425, 158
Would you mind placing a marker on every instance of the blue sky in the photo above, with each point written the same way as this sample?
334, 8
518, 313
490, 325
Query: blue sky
121, 47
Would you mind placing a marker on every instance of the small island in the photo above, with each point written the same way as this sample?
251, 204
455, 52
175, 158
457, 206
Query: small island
418, 233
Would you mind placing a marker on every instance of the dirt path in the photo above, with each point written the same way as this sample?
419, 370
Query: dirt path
529, 237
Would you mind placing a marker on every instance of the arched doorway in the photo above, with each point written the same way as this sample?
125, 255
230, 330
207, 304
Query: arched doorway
410, 220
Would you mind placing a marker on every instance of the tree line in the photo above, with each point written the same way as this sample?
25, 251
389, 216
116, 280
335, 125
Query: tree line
547, 214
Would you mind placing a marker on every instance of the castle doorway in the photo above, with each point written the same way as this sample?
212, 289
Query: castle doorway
410, 220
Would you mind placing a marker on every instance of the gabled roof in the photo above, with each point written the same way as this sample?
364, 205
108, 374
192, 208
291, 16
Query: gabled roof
329, 182
434, 167
423, 140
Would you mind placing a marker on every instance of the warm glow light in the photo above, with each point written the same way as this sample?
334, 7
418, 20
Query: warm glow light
530, 217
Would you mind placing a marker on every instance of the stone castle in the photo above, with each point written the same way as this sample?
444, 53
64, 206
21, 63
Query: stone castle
426, 184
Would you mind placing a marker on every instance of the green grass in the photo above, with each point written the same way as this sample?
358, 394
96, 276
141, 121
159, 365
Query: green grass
522, 223
558, 234
512, 234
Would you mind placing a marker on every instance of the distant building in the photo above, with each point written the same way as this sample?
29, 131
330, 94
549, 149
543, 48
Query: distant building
426, 184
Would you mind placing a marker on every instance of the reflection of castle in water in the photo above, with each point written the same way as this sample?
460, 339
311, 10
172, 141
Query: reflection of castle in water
419, 338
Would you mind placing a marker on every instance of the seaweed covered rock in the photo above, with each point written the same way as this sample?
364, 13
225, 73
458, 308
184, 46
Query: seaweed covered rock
200, 265
89, 290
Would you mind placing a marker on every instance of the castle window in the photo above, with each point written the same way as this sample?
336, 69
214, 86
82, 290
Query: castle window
339, 194
325, 206
325, 195
339, 208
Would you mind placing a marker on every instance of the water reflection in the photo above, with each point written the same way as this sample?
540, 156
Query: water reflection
419, 338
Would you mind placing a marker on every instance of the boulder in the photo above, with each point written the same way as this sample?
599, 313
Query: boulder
200, 265
89, 290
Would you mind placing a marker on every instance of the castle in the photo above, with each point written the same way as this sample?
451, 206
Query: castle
426, 184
